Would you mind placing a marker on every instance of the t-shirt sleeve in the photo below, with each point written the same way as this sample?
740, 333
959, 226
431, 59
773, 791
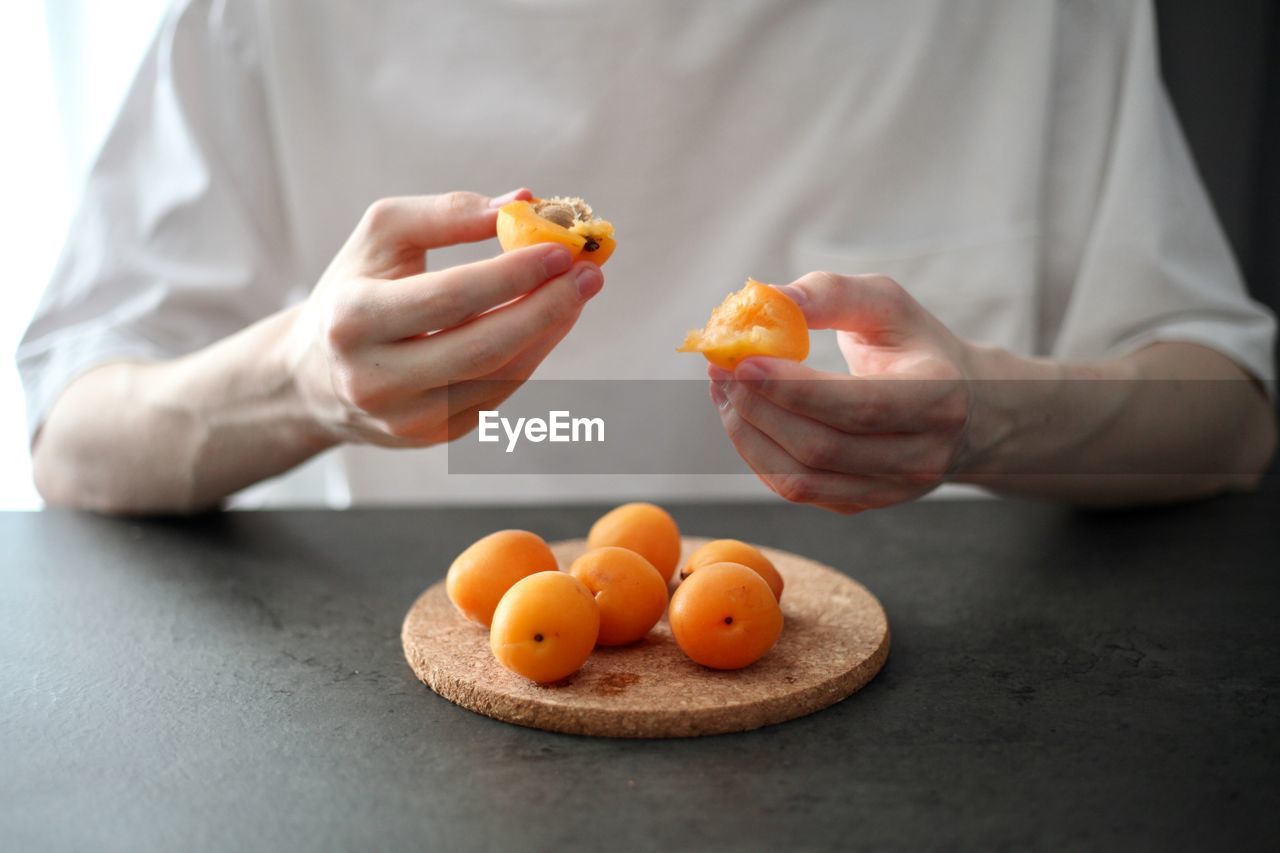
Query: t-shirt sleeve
180, 236
1155, 264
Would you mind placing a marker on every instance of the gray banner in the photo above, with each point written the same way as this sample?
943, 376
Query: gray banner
616, 427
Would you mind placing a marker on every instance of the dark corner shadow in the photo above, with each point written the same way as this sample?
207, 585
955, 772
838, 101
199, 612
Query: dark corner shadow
233, 542
255, 570
1149, 540
1209, 506
315, 597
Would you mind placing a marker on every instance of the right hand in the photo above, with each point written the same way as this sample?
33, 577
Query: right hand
893, 428
384, 352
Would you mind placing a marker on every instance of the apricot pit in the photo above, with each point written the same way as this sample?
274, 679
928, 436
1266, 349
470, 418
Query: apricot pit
566, 220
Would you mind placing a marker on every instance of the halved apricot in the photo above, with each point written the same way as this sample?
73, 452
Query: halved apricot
725, 616
647, 529
630, 592
482, 574
545, 627
734, 551
756, 320
567, 221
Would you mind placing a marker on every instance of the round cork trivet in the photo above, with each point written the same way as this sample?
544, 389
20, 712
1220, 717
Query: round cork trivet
835, 639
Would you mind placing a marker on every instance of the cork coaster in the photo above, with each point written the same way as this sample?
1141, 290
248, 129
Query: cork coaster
834, 641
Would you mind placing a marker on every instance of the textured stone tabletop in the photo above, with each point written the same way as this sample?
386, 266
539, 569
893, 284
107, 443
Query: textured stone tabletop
236, 681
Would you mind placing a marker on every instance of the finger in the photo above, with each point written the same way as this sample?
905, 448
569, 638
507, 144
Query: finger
389, 311
818, 446
522, 194
434, 430
874, 305
402, 407
466, 422
792, 479
390, 226
843, 509
495, 387
488, 342
857, 405
431, 418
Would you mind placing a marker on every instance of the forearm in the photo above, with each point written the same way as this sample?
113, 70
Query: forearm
1170, 422
177, 436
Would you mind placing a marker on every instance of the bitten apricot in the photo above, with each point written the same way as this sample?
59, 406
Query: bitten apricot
628, 589
567, 221
484, 572
733, 551
648, 530
756, 320
545, 627
724, 616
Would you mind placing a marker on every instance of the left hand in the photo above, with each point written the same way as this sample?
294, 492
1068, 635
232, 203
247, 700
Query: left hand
889, 431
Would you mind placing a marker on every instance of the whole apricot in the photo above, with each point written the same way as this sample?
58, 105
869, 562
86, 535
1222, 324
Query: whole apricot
545, 627
724, 616
482, 574
756, 320
733, 551
567, 221
628, 589
647, 529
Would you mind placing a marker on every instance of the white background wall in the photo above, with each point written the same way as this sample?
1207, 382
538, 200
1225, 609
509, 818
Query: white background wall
64, 66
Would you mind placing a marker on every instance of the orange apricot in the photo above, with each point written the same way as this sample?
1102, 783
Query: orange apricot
756, 320
648, 530
724, 616
545, 627
482, 574
733, 551
631, 594
567, 221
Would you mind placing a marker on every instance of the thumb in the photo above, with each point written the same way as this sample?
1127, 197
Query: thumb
873, 305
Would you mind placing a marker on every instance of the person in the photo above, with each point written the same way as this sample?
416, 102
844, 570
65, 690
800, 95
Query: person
263, 270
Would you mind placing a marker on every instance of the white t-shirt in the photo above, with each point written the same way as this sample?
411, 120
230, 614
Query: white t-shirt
1015, 164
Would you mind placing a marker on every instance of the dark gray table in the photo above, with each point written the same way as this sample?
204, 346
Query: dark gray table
235, 681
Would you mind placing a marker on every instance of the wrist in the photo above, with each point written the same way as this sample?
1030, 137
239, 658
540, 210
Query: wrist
285, 363
1030, 416
1008, 407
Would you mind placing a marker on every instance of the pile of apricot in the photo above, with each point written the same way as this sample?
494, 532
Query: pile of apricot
544, 623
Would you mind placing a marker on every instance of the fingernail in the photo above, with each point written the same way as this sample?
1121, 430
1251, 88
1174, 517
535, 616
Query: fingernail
505, 198
718, 374
793, 293
750, 371
589, 280
719, 395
